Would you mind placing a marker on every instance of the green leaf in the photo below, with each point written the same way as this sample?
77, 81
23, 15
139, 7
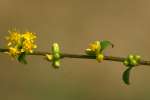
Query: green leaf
126, 76
22, 58
104, 44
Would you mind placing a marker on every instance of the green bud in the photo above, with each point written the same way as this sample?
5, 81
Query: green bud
55, 48
56, 56
133, 62
56, 64
126, 63
100, 57
130, 57
137, 57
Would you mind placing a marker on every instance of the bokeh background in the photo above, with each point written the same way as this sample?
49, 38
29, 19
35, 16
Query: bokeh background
74, 24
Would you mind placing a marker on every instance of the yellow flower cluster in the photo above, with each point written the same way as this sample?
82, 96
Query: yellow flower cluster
20, 42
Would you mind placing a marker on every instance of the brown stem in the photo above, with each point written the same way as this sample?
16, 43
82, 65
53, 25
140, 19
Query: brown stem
67, 55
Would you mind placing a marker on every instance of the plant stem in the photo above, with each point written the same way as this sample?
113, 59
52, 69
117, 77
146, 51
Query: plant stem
82, 56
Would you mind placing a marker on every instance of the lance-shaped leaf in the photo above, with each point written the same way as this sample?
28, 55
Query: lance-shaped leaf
22, 58
104, 44
126, 76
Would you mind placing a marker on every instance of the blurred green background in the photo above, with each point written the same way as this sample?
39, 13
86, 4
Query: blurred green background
74, 24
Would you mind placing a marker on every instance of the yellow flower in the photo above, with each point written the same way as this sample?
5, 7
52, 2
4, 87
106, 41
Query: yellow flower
13, 38
13, 52
95, 46
28, 46
29, 36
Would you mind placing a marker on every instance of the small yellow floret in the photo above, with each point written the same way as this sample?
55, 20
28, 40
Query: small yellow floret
29, 36
95, 46
13, 38
13, 51
28, 46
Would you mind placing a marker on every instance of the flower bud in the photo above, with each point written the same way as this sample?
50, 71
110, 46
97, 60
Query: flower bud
126, 63
56, 56
130, 57
100, 57
137, 57
56, 64
133, 62
49, 57
55, 48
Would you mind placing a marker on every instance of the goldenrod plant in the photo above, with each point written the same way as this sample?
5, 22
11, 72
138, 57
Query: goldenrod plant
21, 44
